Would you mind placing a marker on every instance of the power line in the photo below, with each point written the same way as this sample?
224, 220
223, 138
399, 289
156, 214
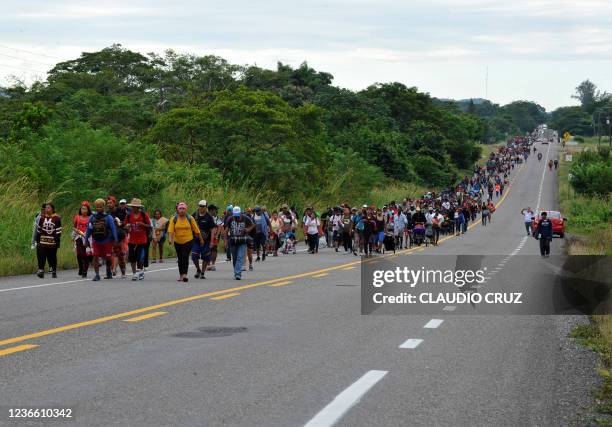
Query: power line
22, 69
26, 60
31, 53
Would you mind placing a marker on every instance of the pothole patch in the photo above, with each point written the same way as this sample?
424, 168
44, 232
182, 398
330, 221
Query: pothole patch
211, 332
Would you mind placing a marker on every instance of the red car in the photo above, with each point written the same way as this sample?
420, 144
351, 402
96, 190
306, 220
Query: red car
558, 222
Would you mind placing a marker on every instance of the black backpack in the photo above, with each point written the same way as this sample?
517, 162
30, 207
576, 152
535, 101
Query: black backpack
99, 229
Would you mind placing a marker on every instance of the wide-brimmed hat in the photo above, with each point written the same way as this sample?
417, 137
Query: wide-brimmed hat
135, 203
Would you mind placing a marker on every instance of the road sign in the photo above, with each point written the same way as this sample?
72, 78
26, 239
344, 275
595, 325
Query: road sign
568, 157
566, 136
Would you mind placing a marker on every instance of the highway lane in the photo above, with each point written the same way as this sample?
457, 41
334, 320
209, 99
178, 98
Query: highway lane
304, 344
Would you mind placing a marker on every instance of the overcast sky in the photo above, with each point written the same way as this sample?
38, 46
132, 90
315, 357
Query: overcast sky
534, 49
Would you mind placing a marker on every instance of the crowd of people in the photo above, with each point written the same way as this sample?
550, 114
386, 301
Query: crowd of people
121, 234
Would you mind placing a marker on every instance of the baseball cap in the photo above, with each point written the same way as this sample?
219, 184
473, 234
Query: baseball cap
229, 207
202, 203
236, 211
122, 202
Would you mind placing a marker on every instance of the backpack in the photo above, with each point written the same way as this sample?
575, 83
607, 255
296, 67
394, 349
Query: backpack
175, 219
99, 229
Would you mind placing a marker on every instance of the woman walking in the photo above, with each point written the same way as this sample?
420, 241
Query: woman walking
48, 233
311, 230
83, 251
181, 232
160, 226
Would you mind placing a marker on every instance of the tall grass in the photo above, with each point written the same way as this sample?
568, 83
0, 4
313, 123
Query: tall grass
589, 225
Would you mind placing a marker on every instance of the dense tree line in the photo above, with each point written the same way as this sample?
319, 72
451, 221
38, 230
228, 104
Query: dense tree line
117, 120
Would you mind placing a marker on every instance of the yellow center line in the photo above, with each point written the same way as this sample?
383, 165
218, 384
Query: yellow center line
145, 316
233, 294
195, 297
281, 283
321, 275
348, 268
12, 350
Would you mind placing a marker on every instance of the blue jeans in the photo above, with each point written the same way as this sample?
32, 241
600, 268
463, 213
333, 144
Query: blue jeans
238, 253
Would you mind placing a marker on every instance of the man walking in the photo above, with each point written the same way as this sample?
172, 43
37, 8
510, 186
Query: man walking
238, 227
544, 233
527, 218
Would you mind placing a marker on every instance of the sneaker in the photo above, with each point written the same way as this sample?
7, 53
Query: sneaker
54, 274
212, 268
243, 268
153, 262
237, 277
141, 275
257, 259
197, 275
250, 267
41, 274
96, 278
202, 276
123, 276
134, 277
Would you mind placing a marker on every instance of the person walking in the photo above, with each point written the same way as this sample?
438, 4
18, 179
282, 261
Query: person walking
160, 227
48, 233
544, 233
83, 252
527, 218
181, 232
103, 233
238, 227
137, 224
206, 224
312, 225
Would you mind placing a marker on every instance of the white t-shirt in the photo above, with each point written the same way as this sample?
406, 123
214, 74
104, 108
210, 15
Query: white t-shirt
312, 225
527, 215
336, 222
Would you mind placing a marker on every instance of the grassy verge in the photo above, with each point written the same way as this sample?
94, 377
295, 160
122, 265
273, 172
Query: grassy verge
589, 232
18, 207
486, 150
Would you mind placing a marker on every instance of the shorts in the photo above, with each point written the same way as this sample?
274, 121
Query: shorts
120, 248
381, 236
136, 252
202, 252
102, 250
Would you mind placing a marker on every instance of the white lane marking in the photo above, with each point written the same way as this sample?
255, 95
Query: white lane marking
542, 181
329, 415
450, 308
433, 323
411, 343
71, 282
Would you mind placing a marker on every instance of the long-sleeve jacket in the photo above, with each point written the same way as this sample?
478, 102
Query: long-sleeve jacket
48, 231
544, 229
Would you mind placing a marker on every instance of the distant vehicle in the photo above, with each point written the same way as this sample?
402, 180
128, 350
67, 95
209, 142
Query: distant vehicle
558, 222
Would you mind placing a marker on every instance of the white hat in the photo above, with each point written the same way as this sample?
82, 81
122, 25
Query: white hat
122, 201
236, 211
202, 203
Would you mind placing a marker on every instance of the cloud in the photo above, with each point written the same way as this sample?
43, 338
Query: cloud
421, 42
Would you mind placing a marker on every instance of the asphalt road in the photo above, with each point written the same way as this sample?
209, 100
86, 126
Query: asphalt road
288, 346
